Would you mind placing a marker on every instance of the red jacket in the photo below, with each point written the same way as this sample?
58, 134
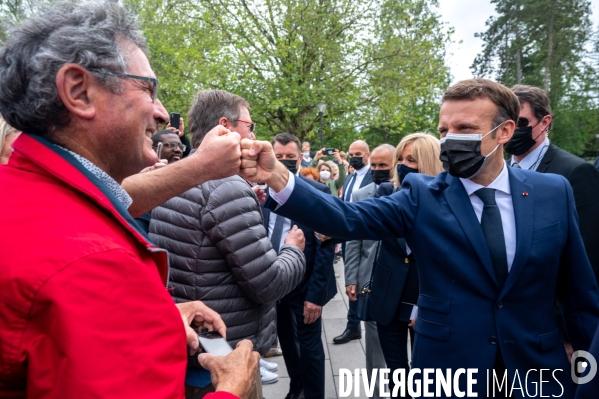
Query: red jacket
83, 307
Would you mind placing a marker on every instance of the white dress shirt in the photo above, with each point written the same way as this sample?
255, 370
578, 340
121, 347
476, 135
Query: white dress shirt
271, 226
359, 177
532, 160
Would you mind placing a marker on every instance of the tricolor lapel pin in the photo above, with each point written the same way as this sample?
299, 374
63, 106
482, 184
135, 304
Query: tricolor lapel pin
525, 194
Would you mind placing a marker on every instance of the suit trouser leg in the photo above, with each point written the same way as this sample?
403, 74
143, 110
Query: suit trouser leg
353, 323
374, 354
303, 351
394, 343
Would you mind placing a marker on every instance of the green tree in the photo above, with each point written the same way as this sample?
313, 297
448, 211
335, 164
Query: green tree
544, 43
375, 64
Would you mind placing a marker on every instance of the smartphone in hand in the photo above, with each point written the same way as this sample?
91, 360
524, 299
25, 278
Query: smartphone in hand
175, 120
214, 343
328, 151
159, 150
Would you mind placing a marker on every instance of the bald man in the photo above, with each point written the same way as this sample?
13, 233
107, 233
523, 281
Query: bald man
360, 255
359, 159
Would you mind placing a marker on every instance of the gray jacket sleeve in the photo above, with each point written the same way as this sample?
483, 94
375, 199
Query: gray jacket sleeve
232, 220
353, 252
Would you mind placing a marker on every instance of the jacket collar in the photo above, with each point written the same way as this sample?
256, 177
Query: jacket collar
63, 166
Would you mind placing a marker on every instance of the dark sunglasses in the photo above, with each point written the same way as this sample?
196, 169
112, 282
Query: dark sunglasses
524, 122
128, 76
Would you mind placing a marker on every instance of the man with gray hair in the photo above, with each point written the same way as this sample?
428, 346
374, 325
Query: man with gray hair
219, 250
76, 272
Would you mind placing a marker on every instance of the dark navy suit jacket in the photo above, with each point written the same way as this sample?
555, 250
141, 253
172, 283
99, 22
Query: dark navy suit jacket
464, 316
318, 285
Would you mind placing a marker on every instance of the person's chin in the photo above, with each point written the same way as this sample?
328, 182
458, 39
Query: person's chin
174, 158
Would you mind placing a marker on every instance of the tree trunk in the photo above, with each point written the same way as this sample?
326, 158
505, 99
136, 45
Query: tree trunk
549, 48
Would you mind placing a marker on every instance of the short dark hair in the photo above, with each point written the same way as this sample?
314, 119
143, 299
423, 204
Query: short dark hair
286, 138
508, 106
156, 137
207, 109
538, 99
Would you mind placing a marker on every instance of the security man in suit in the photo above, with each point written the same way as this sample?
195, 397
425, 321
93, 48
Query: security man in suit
360, 255
299, 322
359, 159
496, 247
531, 149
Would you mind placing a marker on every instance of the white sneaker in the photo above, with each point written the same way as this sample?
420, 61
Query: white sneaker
269, 365
267, 377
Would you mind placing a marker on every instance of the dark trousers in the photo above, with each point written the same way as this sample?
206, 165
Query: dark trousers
394, 343
353, 323
302, 350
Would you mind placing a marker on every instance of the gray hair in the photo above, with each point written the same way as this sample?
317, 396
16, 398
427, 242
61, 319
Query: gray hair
207, 109
89, 33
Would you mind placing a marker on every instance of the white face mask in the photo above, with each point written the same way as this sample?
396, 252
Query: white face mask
325, 174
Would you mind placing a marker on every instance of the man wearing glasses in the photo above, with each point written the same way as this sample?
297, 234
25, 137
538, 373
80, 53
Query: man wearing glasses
84, 310
172, 148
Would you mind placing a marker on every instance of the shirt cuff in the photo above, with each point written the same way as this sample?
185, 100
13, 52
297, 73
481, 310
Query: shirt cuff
414, 313
282, 196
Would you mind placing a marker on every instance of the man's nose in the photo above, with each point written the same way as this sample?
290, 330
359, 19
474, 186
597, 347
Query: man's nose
160, 113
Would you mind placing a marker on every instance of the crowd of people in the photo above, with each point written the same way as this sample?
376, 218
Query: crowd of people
114, 259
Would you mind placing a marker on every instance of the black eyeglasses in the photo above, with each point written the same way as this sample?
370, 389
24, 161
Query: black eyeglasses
251, 125
127, 76
172, 145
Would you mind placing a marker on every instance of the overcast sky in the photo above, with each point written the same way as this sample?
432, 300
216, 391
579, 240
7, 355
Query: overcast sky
468, 17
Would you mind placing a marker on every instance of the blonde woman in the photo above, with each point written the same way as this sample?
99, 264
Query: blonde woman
8, 135
417, 153
395, 277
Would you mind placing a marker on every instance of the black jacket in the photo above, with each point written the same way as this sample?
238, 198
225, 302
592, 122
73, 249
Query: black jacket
584, 179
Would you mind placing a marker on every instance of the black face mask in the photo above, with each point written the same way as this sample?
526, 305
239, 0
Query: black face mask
290, 164
380, 176
521, 141
461, 156
356, 162
403, 170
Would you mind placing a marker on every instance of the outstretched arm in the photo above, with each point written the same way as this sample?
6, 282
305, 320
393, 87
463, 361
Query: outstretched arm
217, 157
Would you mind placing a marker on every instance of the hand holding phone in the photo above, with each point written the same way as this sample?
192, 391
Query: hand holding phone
328, 151
175, 120
214, 343
159, 150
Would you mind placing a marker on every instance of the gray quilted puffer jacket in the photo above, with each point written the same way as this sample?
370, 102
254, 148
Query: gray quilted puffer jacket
220, 254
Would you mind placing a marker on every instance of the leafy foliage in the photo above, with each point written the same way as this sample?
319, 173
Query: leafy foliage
546, 43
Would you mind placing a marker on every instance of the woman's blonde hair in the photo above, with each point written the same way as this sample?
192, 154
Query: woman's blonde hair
425, 150
5, 130
333, 167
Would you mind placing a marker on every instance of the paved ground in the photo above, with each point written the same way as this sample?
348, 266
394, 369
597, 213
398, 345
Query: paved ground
350, 355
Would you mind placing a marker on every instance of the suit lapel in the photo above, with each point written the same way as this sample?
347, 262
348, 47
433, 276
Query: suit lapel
547, 158
366, 180
460, 205
523, 214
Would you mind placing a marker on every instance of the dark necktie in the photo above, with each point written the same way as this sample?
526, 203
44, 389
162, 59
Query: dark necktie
350, 188
277, 232
493, 230
516, 165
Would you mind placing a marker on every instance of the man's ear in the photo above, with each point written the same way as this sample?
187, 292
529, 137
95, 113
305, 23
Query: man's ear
224, 121
76, 89
505, 132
